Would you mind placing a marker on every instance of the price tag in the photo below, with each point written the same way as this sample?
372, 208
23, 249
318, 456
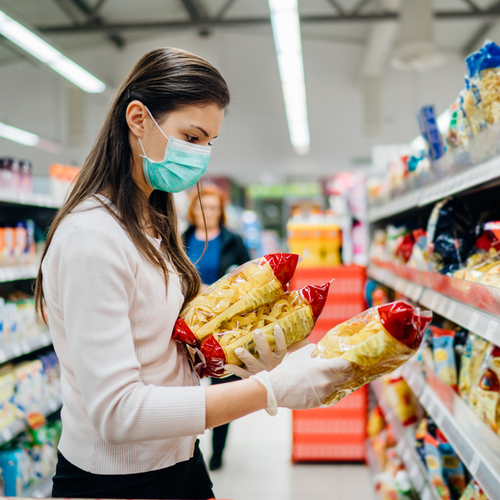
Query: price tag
473, 321
425, 398
491, 330
417, 292
435, 298
474, 464
439, 416
451, 310
442, 306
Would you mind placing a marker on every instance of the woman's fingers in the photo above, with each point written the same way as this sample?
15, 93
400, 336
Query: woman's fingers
237, 370
279, 337
253, 364
263, 348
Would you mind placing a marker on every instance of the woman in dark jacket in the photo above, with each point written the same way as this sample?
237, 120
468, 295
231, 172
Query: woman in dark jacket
225, 251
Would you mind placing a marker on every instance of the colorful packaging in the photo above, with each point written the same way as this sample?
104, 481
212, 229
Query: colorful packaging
489, 84
473, 105
376, 422
295, 312
420, 439
376, 342
401, 400
256, 283
430, 131
488, 391
473, 492
434, 466
472, 357
444, 356
453, 469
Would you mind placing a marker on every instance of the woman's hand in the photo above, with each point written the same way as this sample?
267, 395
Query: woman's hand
267, 358
303, 382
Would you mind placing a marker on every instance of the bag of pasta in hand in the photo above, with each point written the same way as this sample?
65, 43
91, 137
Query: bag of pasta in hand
376, 342
295, 312
258, 282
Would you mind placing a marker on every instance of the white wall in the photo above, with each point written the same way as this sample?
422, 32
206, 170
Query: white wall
254, 139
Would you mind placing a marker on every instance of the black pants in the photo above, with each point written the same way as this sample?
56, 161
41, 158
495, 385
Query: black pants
187, 480
219, 434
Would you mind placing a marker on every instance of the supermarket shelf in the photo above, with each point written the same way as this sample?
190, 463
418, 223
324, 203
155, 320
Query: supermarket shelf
476, 444
18, 273
406, 450
481, 322
20, 425
33, 200
457, 183
25, 347
40, 489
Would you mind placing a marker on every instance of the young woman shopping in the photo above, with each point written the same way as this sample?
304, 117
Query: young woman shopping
113, 279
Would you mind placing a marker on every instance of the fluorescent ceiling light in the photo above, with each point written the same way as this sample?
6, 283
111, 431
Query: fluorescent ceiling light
44, 52
286, 31
27, 138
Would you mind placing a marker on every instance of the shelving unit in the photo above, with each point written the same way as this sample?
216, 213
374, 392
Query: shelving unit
32, 200
18, 273
470, 178
474, 319
16, 350
406, 450
475, 443
14, 429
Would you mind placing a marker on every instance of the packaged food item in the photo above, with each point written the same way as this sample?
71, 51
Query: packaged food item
453, 469
444, 356
434, 466
450, 235
376, 342
295, 312
473, 492
473, 105
471, 359
258, 282
401, 399
376, 422
430, 131
489, 83
478, 368
488, 391
420, 433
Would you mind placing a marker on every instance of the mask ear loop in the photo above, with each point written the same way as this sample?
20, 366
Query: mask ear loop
156, 123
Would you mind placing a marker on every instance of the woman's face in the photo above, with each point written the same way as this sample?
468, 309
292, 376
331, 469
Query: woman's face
194, 124
213, 212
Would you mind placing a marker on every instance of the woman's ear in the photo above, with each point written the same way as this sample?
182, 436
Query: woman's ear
136, 115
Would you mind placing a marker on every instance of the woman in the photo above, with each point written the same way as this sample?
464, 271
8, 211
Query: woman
224, 251
113, 279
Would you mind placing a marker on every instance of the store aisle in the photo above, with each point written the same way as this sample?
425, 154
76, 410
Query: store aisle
257, 466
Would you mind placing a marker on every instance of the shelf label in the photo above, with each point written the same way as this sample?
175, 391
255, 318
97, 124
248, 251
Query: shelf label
435, 298
442, 306
474, 464
451, 310
489, 334
439, 416
473, 321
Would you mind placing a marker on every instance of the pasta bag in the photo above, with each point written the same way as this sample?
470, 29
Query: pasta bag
376, 342
258, 282
295, 312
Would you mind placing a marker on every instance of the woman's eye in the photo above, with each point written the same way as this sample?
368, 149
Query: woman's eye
191, 138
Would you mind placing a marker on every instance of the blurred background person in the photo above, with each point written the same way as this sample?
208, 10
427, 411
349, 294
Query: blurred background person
225, 251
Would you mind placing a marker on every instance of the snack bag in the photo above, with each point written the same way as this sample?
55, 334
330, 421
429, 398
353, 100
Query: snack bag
473, 104
376, 342
444, 356
472, 357
488, 391
420, 433
434, 466
258, 282
295, 312
479, 366
376, 422
453, 469
401, 400
473, 492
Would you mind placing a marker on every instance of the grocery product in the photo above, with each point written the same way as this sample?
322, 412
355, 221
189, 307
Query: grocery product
376, 342
401, 399
444, 355
453, 469
258, 282
295, 312
430, 131
434, 466
473, 492
376, 422
489, 83
471, 359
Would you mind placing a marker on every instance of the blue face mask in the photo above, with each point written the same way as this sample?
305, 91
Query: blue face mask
183, 166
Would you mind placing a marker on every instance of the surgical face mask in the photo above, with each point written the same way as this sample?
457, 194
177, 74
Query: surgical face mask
182, 167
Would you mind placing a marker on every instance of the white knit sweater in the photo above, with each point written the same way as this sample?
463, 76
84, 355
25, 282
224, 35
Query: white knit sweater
130, 403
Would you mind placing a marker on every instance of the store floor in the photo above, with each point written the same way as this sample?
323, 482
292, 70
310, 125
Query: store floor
257, 466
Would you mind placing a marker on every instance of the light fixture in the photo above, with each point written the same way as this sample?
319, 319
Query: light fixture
27, 138
286, 31
44, 52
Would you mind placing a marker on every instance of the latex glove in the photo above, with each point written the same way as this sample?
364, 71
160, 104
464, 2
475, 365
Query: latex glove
301, 382
267, 358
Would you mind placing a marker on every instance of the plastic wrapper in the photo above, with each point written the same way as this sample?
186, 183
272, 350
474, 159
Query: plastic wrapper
295, 312
444, 356
489, 83
376, 422
401, 400
471, 360
453, 469
473, 105
488, 391
450, 236
435, 467
258, 282
473, 492
376, 342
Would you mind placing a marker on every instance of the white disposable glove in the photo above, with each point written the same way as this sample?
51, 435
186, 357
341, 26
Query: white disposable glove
267, 358
303, 382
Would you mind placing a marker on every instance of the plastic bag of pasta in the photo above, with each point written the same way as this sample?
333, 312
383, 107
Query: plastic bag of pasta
295, 312
375, 342
258, 282
489, 70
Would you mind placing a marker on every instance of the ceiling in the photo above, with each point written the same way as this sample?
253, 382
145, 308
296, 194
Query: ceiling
77, 24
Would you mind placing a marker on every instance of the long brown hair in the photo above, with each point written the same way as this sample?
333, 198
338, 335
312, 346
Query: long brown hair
164, 80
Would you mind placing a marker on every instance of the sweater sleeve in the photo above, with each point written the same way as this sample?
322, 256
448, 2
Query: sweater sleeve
96, 277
